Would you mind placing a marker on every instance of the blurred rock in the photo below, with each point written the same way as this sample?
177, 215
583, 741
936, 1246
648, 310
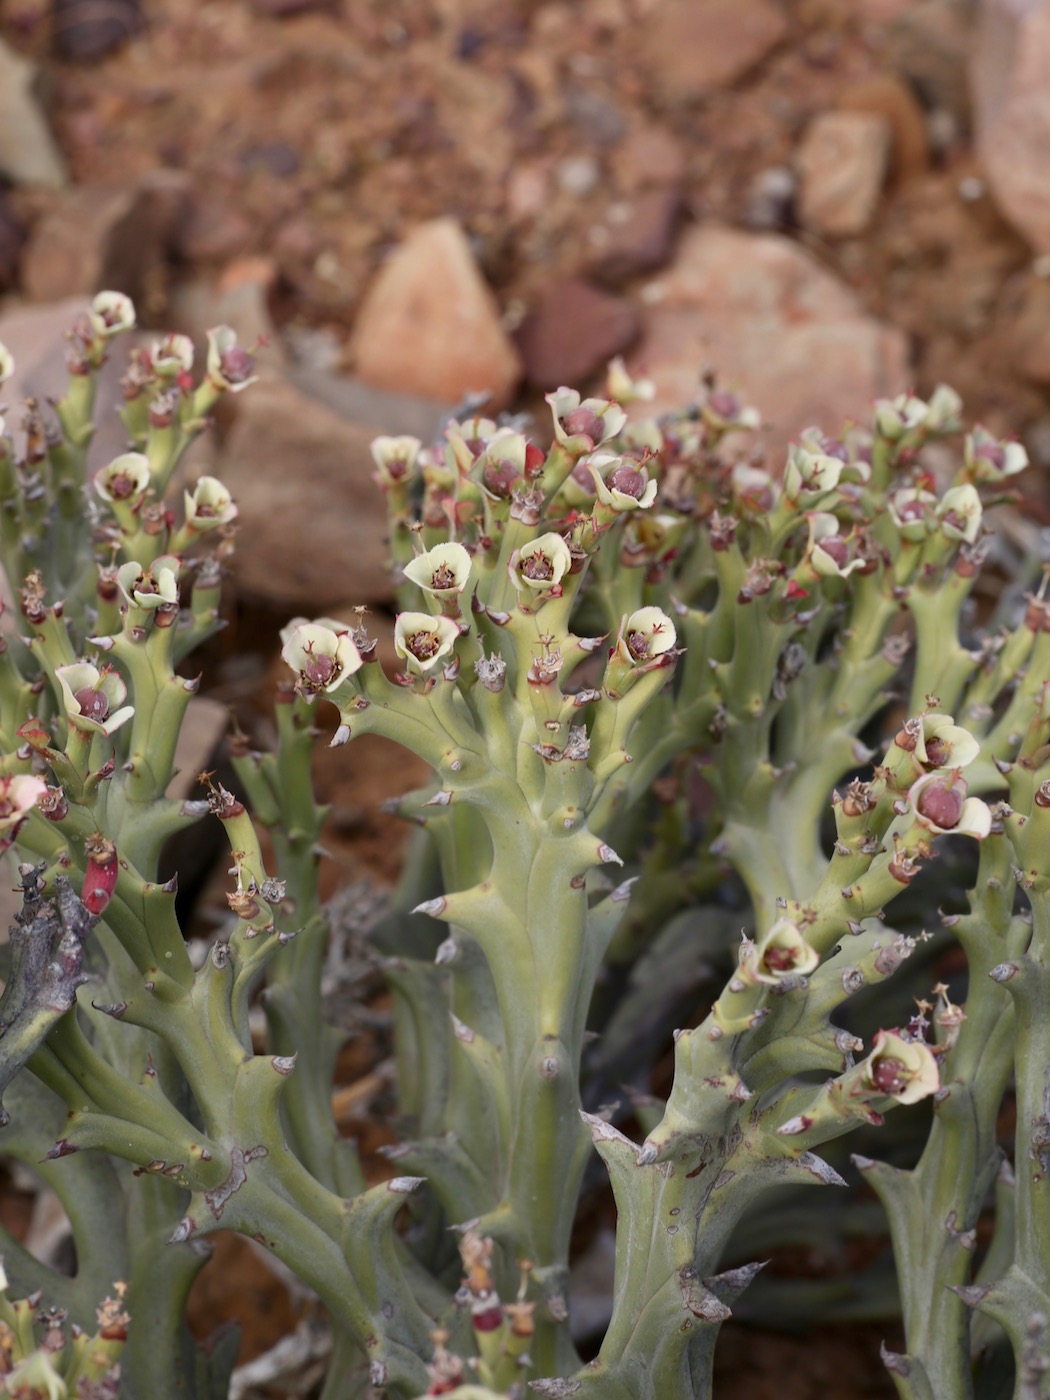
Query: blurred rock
770, 199
429, 325
650, 155
929, 44
1030, 333
202, 731
595, 117
890, 97
12, 236
637, 235
84, 31
1011, 59
774, 325
395, 414
28, 153
572, 332
212, 230
313, 523
103, 238
842, 161
690, 49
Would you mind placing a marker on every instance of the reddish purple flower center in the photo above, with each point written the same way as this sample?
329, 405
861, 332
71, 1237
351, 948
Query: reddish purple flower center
937, 752
941, 805
499, 478
537, 567
442, 578
423, 645
320, 670
627, 481
836, 548
726, 405
121, 486
911, 510
780, 959
583, 422
236, 364
889, 1075
93, 703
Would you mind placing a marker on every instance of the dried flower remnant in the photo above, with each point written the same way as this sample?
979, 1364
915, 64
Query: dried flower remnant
93, 698
321, 655
422, 641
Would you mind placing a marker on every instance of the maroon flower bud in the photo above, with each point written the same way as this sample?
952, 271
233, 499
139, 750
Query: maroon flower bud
628, 480
583, 422
942, 803
94, 704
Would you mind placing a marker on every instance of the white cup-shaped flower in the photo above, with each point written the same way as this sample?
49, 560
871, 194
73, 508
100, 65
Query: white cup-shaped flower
810, 474
581, 425
126, 478
783, 952
93, 699
934, 741
943, 410
754, 490
422, 641
321, 656
645, 637
620, 483
501, 462
941, 805
896, 417
395, 459
913, 512
172, 355
7, 363
442, 570
828, 551
111, 313
623, 389
18, 796
155, 587
208, 505
230, 366
989, 459
905, 1070
541, 564
959, 513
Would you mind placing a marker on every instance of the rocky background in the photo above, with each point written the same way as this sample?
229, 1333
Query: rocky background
408, 201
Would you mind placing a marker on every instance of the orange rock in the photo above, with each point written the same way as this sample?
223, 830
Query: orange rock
887, 96
429, 325
690, 48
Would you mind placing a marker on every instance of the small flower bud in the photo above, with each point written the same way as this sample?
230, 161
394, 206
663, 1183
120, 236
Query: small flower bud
111, 313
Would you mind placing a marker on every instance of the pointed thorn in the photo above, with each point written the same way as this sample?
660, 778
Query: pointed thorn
434, 907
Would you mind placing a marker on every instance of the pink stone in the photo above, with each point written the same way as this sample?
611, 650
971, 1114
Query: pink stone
842, 161
429, 325
775, 325
691, 47
1011, 58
